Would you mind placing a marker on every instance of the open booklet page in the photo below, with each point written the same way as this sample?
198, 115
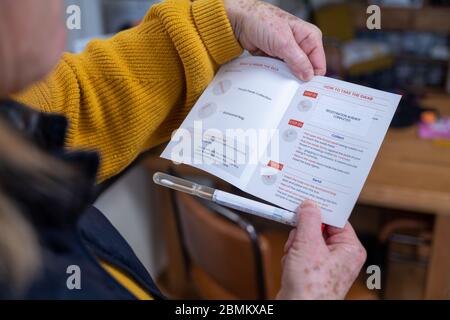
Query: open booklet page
283, 140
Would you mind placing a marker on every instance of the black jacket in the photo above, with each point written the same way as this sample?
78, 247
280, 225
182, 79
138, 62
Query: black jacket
71, 231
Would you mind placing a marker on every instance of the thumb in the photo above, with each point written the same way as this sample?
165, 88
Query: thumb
309, 225
289, 51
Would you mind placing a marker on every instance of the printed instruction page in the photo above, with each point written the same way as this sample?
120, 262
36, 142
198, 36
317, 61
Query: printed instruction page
283, 140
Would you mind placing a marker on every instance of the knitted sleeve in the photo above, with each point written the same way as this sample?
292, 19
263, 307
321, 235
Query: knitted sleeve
130, 92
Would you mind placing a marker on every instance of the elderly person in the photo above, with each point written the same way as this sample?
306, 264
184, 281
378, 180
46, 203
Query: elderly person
69, 121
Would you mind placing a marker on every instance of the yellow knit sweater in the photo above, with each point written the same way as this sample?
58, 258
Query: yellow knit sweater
129, 93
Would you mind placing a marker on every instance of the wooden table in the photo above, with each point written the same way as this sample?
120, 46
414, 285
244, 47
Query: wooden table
414, 174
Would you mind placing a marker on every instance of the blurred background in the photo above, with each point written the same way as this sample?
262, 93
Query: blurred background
196, 250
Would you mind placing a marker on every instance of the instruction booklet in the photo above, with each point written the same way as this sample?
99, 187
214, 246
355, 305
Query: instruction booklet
283, 140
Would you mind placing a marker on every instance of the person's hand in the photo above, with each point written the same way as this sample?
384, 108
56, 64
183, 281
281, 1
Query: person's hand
317, 266
263, 29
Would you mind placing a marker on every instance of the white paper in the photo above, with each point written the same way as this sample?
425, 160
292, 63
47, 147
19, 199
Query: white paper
261, 129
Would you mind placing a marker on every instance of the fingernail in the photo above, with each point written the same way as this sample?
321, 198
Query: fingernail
307, 75
308, 203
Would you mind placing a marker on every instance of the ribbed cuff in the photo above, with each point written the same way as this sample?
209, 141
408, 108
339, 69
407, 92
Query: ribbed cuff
215, 29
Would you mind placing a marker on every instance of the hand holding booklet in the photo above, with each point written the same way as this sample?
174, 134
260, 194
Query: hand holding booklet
283, 140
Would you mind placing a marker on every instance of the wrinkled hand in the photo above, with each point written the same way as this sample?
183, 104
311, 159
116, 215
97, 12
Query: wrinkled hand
317, 266
264, 29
